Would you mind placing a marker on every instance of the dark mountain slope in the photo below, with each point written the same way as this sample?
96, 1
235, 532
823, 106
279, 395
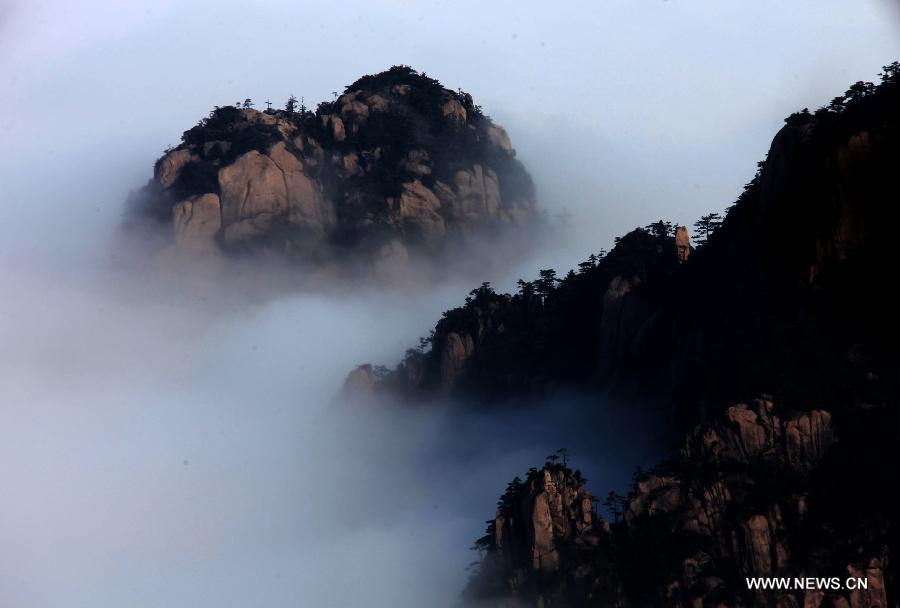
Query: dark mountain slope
774, 344
791, 296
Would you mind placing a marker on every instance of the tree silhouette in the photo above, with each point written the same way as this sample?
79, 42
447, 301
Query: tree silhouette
526, 288
425, 343
857, 91
291, 105
480, 295
705, 227
836, 104
615, 504
564, 454
891, 73
661, 228
546, 282
247, 104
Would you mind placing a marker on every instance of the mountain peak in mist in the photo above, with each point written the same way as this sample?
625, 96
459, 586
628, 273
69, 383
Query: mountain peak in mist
771, 348
397, 168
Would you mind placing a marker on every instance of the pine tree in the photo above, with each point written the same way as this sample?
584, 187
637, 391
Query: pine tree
661, 228
526, 288
705, 227
857, 91
546, 282
891, 73
615, 504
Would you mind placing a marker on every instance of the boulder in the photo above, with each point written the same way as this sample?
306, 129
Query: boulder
454, 110
253, 192
500, 138
306, 207
477, 194
169, 167
419, 207
197, 220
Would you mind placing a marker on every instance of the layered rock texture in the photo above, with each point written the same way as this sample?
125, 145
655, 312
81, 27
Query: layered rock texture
793, 298
397, 167
739, 501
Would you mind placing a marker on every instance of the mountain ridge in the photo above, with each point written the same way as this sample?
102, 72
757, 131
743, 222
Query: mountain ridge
772, 349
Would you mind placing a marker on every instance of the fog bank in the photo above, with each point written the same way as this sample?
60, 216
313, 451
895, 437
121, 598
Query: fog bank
183, 448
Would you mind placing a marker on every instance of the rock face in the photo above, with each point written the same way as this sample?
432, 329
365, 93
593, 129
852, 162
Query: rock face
692, 532
396, 168
682, 244
543, 529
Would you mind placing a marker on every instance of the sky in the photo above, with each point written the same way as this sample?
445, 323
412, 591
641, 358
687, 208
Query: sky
173, 441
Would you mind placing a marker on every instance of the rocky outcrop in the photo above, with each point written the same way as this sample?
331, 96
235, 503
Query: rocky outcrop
792, 296
682, 243
580, 329
555, 509
788, 295
396, 168
693, 531
753, 435
543, 530
360, 383
196, 221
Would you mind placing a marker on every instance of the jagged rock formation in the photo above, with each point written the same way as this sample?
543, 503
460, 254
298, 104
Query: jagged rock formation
397, 167
544, 529
742, 499
581, 330
682, 243
791, 297
788, 297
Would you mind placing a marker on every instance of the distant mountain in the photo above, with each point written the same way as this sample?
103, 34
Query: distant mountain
773, 347
396, 168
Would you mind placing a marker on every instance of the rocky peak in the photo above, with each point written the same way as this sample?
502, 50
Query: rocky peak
396, 168
692, 530
682, 243
542, 527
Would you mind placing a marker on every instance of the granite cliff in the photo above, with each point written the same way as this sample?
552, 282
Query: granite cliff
395, 168
744, 497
